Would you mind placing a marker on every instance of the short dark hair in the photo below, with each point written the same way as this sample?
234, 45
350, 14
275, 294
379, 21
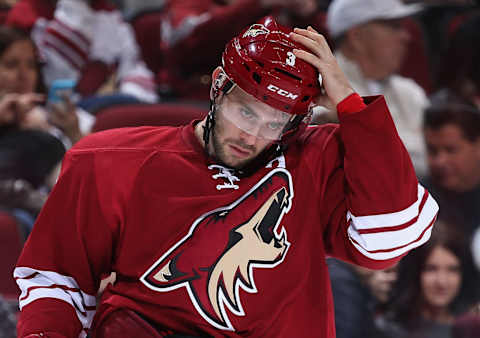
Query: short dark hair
465, 116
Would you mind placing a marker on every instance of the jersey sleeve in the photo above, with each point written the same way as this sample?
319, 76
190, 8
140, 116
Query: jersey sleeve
73, 244
384, 211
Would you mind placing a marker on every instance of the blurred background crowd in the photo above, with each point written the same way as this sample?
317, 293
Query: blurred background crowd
73, 67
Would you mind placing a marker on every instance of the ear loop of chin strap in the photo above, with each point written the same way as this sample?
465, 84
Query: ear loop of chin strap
224, 84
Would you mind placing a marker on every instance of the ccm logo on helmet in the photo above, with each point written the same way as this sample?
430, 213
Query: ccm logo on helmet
281, 92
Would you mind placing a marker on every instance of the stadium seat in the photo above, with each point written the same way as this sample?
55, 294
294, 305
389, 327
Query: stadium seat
162, 114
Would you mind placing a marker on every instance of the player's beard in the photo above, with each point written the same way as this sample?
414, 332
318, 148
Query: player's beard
219, 147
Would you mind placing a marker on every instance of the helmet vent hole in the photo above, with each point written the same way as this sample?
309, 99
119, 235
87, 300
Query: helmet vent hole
261, 64
288, 74
246, 67
305, 98
257, 78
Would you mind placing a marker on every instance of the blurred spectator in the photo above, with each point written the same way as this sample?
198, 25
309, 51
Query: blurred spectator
439, 19
7, 3
460, 72
371, 40
468, 325
84, 41
442, 2
194, 33
23, 91
28, 161
436, 283
29, 153
7, 320
476, 248
359, 295
452, 136
132, 7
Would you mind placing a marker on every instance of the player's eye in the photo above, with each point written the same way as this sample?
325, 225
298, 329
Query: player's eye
274, 125
247, 114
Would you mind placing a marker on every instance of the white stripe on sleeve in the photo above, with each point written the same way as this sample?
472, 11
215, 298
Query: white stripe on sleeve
384, 255
390, 219
37, 284
386, 236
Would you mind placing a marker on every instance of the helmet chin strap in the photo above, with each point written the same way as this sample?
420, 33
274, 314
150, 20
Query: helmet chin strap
208, 128
221, 84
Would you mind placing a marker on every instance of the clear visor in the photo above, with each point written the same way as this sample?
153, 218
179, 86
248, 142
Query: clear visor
268, 124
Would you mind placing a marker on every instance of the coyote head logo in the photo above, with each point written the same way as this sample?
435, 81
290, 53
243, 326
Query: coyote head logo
256, 29
217, 257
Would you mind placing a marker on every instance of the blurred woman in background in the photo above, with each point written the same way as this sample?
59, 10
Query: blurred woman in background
33, 138
436, 283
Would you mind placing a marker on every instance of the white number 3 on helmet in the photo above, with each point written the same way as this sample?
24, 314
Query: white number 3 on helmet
290, 59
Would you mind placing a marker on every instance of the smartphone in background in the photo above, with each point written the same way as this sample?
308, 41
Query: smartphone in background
60, 89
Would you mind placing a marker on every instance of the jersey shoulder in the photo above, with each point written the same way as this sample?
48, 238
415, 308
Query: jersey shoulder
131, 139
317, 135
317, 143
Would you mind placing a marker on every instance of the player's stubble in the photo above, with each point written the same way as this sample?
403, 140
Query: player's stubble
220, 142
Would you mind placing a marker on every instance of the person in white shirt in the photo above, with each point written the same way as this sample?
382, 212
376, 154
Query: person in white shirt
371, 43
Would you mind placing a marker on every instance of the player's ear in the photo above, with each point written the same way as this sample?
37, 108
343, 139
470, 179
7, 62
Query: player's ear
215, 83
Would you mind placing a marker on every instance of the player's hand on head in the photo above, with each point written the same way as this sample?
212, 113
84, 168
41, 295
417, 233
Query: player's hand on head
334, 81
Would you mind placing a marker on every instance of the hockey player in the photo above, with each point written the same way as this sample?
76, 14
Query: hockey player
221, 227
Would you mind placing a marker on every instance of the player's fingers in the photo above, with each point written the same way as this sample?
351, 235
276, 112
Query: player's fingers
312, 46
312, 34
309, 57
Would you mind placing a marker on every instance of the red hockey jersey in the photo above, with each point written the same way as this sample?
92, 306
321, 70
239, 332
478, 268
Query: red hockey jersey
200, 251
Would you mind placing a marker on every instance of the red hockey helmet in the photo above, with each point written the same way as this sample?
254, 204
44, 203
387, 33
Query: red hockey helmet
261, 62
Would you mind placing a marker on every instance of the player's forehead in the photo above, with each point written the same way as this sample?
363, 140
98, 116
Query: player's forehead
241, 98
